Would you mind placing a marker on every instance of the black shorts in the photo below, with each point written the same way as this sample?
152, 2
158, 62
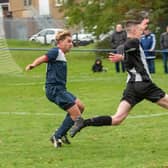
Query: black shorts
62, 98
137, 91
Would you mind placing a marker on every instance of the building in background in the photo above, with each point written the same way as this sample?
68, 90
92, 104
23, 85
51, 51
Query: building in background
24, 18
6, 8
34, 8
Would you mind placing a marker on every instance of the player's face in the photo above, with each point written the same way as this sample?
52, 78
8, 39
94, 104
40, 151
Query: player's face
66, 44
146, 32
119, 28
138, 31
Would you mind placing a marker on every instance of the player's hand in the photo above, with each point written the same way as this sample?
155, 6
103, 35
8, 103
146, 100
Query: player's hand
29, 67
115, 57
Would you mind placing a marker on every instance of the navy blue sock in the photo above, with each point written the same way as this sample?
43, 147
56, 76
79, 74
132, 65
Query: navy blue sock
66, 125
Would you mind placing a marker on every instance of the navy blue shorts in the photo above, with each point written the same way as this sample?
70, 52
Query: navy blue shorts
137, 91
62, 98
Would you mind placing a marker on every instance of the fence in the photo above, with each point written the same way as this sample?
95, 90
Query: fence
22, 29
74, 50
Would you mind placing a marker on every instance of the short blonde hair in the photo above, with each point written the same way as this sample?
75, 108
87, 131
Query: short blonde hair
61, 35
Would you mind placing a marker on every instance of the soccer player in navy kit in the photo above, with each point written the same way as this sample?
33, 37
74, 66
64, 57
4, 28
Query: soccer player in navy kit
139, 83
56, 92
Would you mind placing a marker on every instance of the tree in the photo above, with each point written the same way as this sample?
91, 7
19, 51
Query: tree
100, 16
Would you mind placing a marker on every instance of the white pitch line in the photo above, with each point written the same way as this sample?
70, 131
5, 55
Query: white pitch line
148, 115
30, 113
71, 80
60, 114
26, 84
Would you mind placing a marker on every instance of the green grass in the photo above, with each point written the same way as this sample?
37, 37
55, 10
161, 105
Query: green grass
24, 139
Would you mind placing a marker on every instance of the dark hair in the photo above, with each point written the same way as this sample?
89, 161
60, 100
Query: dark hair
130, 23
98, 59
147, 28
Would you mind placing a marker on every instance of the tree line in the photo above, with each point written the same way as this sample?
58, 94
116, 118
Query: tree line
101, 16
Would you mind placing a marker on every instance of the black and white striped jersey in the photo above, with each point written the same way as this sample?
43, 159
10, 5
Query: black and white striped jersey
135, 62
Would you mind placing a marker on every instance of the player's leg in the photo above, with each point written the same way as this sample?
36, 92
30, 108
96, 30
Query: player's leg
157, 95
163, 102
60, 134
165, 58
152, 66
69, 103
148, 64
166, 62
117, 66
129, 99
80, 105
68, 121
74, 112
122, 66
122, 112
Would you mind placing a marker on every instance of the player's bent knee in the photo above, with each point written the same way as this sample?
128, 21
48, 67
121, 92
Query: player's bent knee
80, 105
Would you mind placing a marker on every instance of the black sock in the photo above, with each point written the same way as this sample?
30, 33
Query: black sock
98, 121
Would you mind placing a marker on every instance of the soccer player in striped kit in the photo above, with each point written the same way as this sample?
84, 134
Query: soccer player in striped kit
139, 82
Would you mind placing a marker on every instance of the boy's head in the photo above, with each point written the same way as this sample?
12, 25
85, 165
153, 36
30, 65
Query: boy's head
64, 40
130, 24
98, 61
61, 35
146, 31
134, 28
119, 28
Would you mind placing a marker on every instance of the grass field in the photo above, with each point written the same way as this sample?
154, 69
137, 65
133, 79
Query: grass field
27, 119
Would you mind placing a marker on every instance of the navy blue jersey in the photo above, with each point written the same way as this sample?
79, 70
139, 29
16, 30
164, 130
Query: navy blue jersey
56, 74
148, 43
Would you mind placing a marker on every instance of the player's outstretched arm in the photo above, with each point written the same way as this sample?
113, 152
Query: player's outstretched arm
115, 57
37, 62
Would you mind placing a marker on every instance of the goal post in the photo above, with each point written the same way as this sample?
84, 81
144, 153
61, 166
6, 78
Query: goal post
7, 63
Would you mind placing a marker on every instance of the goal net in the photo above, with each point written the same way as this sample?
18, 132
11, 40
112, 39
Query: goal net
7, 63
